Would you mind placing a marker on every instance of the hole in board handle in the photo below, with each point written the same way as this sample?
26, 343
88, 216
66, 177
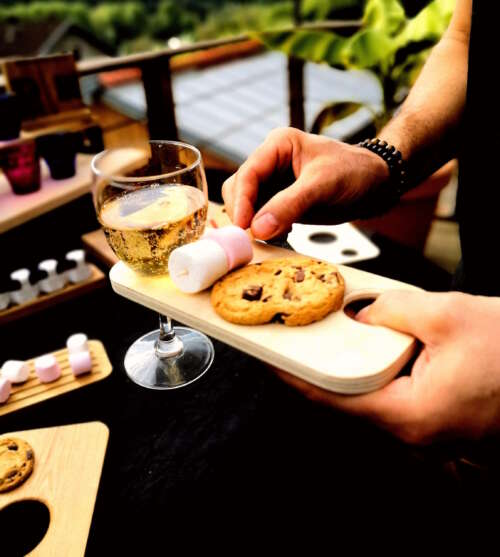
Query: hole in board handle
23, 525
357, 301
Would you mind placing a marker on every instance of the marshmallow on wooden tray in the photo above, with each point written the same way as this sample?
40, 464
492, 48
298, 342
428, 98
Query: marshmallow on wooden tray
15, 371
77, 343
47, 368
196, 266
5, 389
80, 362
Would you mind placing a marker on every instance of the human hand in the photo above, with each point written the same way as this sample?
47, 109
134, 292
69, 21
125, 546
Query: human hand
327, 172
454, 387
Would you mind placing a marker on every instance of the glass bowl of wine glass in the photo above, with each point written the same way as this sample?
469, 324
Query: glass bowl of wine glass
150, 202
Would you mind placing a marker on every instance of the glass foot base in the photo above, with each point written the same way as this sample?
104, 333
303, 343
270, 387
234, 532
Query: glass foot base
146, 369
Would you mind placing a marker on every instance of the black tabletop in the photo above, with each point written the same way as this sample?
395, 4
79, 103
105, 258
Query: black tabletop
237, 455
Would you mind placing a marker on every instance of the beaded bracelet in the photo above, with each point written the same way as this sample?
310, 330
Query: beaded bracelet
394, 159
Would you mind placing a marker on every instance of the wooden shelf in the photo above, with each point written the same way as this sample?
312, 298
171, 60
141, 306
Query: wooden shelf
96, 279
18, 209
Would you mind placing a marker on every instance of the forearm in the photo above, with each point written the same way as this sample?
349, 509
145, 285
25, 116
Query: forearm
425, 129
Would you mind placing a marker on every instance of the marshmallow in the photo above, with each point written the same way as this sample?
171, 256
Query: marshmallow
80, 362
196, 266
47, 368
77, 343
5, 389
15, 371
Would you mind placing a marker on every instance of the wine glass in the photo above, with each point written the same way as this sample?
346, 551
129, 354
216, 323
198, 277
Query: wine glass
149, 203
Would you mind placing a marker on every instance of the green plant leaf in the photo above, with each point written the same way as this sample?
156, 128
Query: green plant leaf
387, 16
429, 24
369, 48
332, 113
317, 46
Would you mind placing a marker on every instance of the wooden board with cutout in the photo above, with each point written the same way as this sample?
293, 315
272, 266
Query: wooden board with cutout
65, 477
336, 353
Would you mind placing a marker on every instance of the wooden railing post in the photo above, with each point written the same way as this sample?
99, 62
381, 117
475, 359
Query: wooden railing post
157, 81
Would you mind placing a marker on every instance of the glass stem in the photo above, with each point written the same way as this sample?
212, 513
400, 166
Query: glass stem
168, 344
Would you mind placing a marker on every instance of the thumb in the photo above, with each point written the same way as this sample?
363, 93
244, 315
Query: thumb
417, 313
283, 209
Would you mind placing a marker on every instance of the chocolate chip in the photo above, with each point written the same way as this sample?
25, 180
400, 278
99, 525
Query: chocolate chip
12, 447
321, 278
279, 317
252, 293
287, 294
299, 275
278, 272
267, 298
29, 454
12, 473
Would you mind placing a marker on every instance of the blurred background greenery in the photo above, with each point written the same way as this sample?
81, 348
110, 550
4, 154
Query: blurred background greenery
134, 26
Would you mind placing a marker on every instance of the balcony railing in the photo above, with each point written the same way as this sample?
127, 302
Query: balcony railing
156, 69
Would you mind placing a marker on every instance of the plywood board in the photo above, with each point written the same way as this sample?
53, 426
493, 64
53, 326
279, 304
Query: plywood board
337, 353
68, 464
33, 391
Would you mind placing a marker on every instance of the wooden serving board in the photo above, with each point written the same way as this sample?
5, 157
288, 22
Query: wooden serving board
33, 391
68, 464
95, 280
336, 353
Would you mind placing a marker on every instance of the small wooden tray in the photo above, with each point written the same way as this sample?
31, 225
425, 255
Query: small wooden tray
34, 391
96, 279
68, 464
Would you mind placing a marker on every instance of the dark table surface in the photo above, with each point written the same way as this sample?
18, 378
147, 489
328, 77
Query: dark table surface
237, 455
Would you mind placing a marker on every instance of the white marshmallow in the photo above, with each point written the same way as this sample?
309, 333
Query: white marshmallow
5, 389
15, 371
196, 266
47, 368
77, 343
80, 362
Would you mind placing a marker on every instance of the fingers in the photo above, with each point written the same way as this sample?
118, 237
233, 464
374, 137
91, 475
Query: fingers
286, 207
425, 315
240, 190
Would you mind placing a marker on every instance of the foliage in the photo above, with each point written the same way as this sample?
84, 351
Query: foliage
234, 19
389, 43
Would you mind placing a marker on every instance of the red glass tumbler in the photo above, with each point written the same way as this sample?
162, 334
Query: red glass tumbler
21, 165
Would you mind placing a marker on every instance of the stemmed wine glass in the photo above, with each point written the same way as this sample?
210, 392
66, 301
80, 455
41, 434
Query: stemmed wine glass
149, 203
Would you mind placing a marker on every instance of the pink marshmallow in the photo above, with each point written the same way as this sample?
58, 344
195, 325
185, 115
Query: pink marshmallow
47, 368
80, 362
235, 243
5, 389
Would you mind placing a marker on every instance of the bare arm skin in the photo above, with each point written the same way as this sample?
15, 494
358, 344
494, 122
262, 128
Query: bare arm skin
332, 173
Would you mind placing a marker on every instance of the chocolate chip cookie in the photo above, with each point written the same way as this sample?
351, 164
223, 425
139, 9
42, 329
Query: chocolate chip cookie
16, 463
293, 291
